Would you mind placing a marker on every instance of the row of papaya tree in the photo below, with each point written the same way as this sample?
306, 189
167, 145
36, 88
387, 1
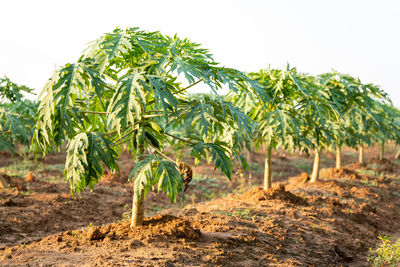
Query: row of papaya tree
129, 89
328, 111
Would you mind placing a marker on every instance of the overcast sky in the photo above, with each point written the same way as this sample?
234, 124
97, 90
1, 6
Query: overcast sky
358, 37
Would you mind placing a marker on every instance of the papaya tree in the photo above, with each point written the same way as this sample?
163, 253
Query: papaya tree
17, 117
131, 87
277, 122
317, 110
385, 127
348, 94
368, 119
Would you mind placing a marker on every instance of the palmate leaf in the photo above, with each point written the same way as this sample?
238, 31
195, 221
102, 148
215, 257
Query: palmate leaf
163, 94
14, 129
58, 100
211, 115
279, 126
219, 154
85, 153
107, 47
153, 171
169, 179
126, 104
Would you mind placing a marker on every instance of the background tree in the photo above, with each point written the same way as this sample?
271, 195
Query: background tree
130, 86
17, 117
317, 110
277, 121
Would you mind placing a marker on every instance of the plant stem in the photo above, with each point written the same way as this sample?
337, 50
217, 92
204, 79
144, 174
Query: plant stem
361, 154
92, 112
179, 91
267, 168
338, 157
397, 154
315, 173
165, 156
381, 153
181, 139
152, 116
138, 199
119, 141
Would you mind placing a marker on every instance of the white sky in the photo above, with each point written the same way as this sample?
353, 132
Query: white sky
358, 37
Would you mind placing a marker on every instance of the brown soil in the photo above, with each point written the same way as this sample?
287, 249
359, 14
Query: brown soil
330, 223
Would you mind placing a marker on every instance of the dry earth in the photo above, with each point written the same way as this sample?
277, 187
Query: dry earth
223, 223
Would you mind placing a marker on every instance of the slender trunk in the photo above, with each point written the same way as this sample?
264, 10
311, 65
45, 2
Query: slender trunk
3, 183
361, 154
315, 173
267, 169
397, 155
382, 151
338, 157
138, 200
247, 155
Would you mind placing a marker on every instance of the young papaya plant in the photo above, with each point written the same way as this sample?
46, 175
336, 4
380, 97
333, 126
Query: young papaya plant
131, 87
347, 94
317, 110
276, 121
368, 119
17, 117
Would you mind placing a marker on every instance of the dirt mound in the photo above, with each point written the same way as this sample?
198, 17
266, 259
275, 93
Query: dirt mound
34, 210
339, 173
15, 182
279, 193
30, 177
382, 165
160, 227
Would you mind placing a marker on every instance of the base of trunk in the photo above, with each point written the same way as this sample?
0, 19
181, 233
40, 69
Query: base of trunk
137, 210
315, 173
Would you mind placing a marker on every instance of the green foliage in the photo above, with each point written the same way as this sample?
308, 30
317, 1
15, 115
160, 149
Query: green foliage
296, 114
387, 254
153, 171
85, 152
17, 116
10, 91
363, 109
130, 86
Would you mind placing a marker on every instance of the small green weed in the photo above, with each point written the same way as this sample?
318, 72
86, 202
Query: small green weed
387, 254
27, 193
87, 227
76, 235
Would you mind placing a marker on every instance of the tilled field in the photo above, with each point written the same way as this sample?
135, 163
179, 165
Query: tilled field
332, 222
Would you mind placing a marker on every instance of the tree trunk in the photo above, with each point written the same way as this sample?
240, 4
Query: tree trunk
382, 151
361, 154
338, 157
267, 169
138, 201
315, 173
3, 183
397, 155
137, 209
